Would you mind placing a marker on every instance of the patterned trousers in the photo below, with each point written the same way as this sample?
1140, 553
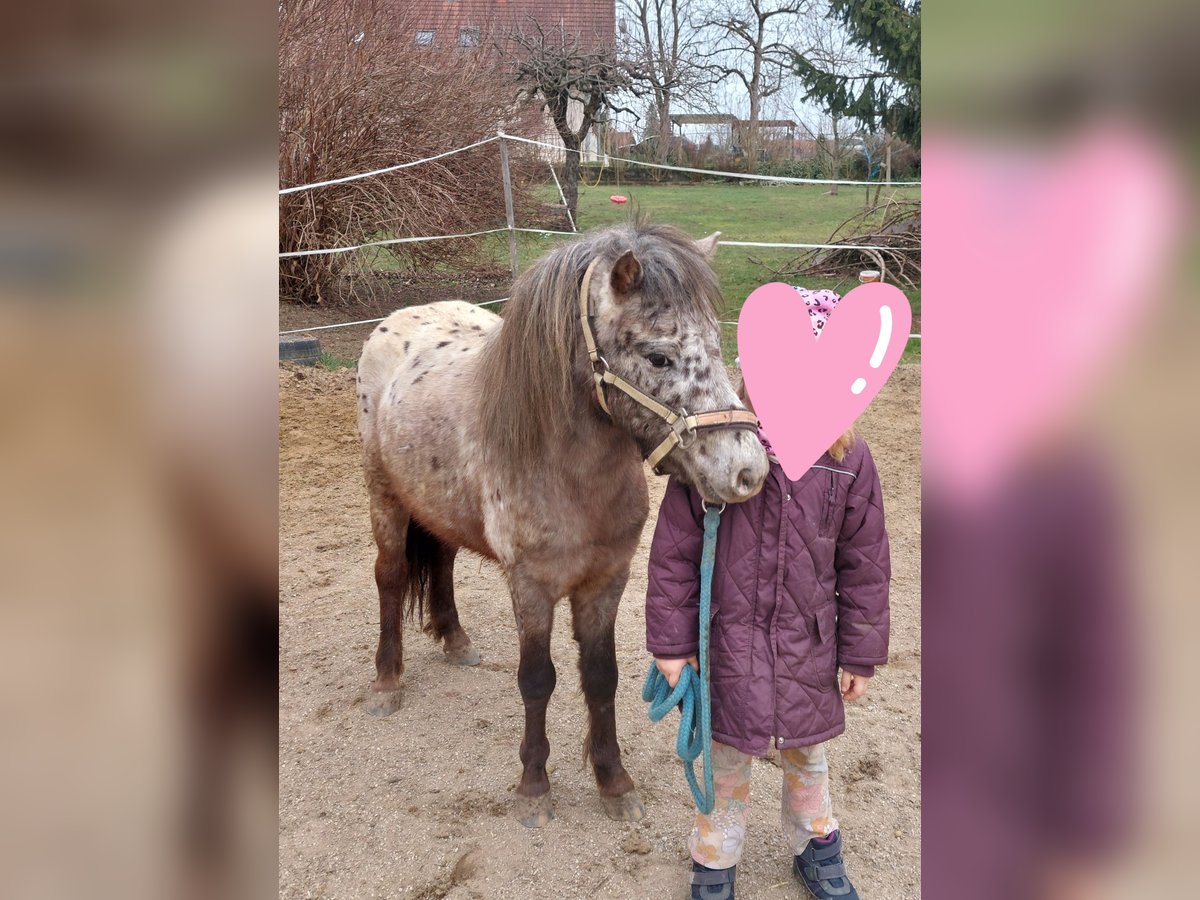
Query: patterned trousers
806, 810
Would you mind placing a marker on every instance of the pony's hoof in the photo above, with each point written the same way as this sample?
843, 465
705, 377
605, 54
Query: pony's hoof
384, 703
465, 655
627, 807
533, 812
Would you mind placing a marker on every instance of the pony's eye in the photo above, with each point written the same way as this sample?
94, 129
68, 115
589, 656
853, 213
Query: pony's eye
658, 360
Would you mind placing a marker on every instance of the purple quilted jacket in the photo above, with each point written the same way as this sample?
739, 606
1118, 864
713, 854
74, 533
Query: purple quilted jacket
800, 588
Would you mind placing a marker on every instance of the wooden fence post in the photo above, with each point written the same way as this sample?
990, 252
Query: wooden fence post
508, 206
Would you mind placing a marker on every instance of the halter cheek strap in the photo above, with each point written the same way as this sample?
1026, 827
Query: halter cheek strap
682, 425
589, 338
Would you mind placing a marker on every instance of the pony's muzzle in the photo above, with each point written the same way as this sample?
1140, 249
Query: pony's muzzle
746, 483
749, 471
731, 470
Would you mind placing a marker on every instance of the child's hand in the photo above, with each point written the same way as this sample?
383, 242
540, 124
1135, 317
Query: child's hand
853, 686
673, 668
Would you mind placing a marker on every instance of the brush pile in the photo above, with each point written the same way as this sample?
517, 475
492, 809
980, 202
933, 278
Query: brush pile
894, 227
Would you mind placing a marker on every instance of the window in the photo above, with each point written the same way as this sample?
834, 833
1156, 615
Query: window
425, 38
468, 37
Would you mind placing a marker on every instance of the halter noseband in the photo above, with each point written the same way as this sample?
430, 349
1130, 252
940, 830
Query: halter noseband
681, 423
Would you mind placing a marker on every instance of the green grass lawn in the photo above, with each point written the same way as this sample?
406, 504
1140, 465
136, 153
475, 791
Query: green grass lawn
747, 212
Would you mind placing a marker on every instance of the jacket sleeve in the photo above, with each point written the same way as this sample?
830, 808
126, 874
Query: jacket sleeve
1088, 689
864, 570
673, 585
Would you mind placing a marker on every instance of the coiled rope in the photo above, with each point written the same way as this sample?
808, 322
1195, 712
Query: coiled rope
691, 693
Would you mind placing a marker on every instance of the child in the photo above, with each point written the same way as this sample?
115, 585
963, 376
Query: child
800, 588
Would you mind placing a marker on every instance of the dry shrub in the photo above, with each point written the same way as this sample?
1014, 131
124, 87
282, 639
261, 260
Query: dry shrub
356, 94
894, 228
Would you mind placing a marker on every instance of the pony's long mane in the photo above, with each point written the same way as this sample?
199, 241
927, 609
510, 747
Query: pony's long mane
532, 374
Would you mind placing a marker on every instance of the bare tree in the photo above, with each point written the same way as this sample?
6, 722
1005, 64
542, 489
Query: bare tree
663, 50
573, 80
830, 47
752, 41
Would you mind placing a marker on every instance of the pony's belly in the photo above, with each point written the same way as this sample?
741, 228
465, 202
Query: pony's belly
456, 534
433, 489
564, 569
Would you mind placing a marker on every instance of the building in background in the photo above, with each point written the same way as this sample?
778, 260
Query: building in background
717, 129
479, 25
727, 133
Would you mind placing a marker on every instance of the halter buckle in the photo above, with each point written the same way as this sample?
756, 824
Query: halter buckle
683, 427
688, 431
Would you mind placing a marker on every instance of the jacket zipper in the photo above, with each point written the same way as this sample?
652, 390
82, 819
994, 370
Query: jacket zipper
780, 569
762, 518
830, 494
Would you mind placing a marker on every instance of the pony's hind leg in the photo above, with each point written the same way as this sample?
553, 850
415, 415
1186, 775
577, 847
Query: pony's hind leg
593, 617
389, 523
443, 614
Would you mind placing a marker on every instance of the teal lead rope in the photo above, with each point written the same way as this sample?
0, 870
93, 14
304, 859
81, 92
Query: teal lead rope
691, 690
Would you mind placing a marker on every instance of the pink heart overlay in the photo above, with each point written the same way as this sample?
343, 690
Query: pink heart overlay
808, 391
1036, 268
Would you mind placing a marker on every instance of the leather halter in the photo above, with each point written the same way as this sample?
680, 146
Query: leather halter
682, 424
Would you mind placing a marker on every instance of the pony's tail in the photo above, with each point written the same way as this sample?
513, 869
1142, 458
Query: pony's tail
422, 551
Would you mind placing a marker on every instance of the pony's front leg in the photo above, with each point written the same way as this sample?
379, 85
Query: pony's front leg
594, 615
534, 608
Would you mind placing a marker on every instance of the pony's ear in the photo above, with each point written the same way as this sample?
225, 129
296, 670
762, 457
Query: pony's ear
626, 274
708, 245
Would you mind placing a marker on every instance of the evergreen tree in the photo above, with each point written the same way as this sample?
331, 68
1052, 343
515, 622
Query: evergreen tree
890, 96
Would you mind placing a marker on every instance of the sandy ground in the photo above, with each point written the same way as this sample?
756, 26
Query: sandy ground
416, 805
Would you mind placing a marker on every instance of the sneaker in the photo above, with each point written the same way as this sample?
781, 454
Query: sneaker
712, 884
821, 870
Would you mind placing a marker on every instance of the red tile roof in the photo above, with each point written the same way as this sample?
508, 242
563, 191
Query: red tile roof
593, 21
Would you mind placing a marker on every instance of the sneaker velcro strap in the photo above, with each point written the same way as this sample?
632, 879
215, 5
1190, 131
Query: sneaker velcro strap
817, 853
825, 873
716, 876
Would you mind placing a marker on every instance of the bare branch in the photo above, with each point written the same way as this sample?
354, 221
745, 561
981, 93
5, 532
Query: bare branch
751, 41
563, 73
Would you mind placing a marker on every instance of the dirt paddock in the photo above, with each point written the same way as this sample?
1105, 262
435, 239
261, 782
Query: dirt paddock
416, 805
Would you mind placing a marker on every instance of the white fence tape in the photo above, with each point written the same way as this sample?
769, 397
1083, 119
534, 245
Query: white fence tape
724, 243
916, 337
449, 237
397, 168
911, 337
563, 197
716, 173
503, 136
781, 179
324, 327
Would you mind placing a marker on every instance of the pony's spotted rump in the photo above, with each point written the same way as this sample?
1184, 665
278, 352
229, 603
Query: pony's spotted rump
494, 441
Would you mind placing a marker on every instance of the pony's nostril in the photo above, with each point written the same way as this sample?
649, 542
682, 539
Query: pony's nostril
745, 481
